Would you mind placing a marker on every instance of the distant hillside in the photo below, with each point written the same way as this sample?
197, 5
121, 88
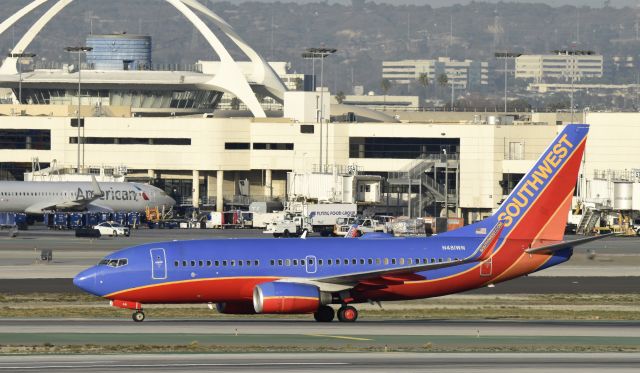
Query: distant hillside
365, 34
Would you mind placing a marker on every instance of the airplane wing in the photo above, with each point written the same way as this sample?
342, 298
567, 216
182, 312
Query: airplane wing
408, 273
565, 244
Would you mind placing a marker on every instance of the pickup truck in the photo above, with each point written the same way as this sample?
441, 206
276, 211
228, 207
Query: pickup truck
363, 225
288, 227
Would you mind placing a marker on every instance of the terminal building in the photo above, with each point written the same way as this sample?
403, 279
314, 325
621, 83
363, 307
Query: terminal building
561, 66
467, 74
157, 125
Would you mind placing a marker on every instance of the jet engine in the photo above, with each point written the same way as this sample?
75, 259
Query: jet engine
288, 297
236, 308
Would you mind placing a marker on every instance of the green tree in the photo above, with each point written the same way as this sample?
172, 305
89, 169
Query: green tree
423, 80
443, 80
340, 96
385, 84
235, 103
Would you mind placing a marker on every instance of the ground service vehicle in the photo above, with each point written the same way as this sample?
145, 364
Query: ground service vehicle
110, 228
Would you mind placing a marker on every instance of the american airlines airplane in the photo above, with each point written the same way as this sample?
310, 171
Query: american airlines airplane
248, 276
37, 197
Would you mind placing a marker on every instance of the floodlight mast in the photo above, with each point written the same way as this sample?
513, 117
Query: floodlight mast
505, 56
321, 53
79, 50
19, 56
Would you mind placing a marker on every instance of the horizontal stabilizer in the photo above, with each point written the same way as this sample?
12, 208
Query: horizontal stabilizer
566, 244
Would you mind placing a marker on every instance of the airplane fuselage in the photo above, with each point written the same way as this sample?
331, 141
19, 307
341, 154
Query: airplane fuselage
26, 196
228, 270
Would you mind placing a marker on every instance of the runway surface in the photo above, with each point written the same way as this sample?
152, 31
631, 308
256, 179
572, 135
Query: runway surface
484, 328
326, 362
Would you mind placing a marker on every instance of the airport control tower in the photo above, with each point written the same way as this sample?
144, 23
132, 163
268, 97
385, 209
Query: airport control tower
119, 52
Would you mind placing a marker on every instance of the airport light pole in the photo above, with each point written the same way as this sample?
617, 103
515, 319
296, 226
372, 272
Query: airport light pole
573, 53
79, 50
19, 56
505, 56
321, 53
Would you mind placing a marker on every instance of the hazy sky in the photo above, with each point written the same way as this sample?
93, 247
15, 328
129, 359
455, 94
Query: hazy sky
439, 3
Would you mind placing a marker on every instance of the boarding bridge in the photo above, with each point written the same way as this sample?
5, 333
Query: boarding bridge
430, 173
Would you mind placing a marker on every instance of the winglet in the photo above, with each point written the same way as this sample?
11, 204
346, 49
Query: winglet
485, 249
97, 192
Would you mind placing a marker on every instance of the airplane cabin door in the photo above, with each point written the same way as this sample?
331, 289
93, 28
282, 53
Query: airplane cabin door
311, 264
158, 264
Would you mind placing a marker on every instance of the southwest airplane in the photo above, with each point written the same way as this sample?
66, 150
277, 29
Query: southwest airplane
37, 197
247, 276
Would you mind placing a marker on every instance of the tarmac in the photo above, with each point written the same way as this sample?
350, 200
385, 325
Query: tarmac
328, 362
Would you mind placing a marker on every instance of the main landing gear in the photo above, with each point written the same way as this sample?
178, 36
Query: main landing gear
138, 316
345, 314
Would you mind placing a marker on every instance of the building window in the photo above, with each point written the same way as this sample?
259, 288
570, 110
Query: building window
236, 145
25, 139
272, 146
306, 128
131, 141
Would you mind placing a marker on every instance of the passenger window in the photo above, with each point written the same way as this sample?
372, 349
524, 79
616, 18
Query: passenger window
433, 260
439, 260
279, 262
386, 261
256, 262
361, 261
337, 262
233, 263
449, 259
302, 262
288, 262
184, 263
378, 261
409, 260
393, 260
248, 263
319, 262
329, 262
273, 262
200, 263
176, 263
310, 262
354, 261
401, 261
217, 263
295, 262
208, 263
370, 261
239, 263
345, 261
224, 263
193, 263
425, 260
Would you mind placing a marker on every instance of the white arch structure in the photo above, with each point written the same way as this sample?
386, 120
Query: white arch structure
231, 80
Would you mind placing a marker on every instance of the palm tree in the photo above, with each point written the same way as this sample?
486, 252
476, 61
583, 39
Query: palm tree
423, 80
385, 84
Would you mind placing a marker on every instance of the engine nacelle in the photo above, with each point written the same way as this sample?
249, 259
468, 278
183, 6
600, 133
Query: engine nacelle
288, 297
239, 308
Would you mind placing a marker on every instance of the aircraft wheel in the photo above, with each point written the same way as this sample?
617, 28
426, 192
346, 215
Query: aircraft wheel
285, 234
276, 235
324, 314
347, 314
138, 316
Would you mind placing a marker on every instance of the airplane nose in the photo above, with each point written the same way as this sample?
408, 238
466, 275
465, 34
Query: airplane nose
86, 280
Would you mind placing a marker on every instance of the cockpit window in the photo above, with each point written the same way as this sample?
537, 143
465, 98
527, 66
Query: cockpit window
114, 262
